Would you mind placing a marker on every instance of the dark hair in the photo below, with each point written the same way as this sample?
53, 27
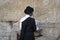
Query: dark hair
28, 10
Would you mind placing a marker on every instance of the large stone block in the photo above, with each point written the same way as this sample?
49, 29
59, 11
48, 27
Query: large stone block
47, 25
12, 10
13, 35
16, 26
5, 26
45, 10
57, 25
5, 30
46, 38
54, 32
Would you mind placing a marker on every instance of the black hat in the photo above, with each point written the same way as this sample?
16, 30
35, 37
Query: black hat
28, 10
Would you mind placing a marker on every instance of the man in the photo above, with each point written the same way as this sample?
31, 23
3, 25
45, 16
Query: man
27, 25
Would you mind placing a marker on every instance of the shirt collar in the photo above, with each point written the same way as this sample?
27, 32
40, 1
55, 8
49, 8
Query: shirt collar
25, 17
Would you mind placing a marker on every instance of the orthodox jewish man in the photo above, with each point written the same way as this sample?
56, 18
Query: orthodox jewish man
27, 25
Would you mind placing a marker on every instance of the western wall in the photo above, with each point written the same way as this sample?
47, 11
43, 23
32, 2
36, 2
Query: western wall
46, 11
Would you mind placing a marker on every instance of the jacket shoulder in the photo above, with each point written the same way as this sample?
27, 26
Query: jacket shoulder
30, 18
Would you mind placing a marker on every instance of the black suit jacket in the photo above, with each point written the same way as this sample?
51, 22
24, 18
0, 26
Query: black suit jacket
28, 28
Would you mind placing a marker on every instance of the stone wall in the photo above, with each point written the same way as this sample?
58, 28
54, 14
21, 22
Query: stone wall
46, 11
6, 31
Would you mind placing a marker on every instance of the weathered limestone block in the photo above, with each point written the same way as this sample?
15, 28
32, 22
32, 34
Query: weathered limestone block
16, 26
5, 30
13, 35
47, 25
54, 32
12, 10
45, 10
46, 38
57, 25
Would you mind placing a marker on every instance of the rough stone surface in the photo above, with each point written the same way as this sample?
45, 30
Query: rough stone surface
46, 11
6, 32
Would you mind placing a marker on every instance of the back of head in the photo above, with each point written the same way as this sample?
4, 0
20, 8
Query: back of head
28, 10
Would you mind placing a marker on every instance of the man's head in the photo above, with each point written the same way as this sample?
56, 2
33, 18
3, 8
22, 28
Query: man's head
29, 10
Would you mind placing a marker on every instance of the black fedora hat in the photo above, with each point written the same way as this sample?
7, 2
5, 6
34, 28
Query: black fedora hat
28, 10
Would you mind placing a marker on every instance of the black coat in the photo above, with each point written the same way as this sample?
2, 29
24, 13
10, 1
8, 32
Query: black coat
28, 28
